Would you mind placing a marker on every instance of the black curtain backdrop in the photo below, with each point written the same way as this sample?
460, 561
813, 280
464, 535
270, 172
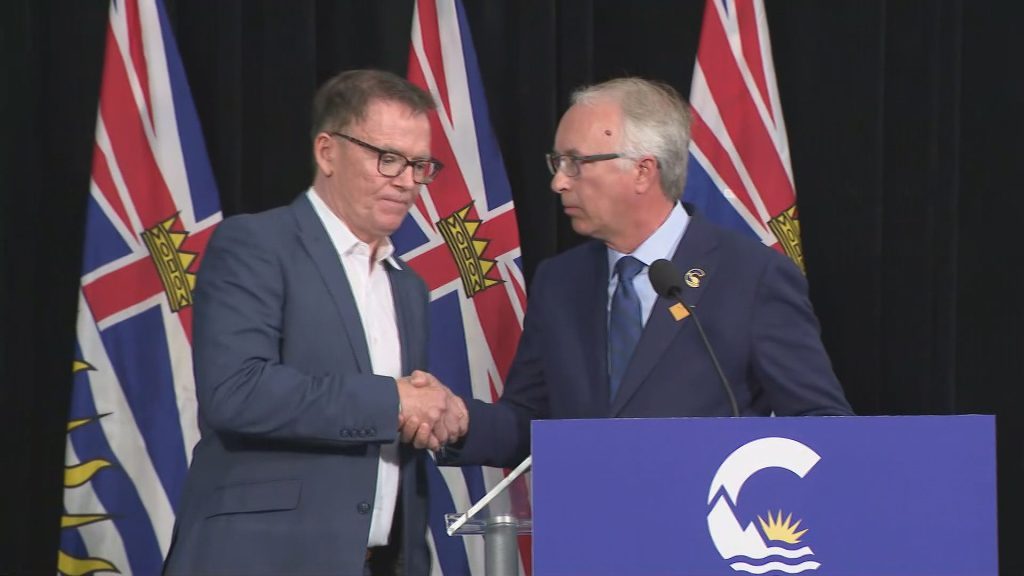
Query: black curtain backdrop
903, 121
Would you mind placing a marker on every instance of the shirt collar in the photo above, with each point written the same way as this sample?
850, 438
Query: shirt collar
345, 242
661, 244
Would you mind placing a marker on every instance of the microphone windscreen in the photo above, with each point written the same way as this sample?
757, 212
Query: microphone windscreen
665, 278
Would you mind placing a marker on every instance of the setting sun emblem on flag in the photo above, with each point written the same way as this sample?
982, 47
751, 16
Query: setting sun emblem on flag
152, 206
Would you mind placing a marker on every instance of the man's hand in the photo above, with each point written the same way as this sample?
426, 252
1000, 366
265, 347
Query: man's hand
424, 401
425, 431
456, 418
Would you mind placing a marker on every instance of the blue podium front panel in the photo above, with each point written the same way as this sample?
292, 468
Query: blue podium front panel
900, 495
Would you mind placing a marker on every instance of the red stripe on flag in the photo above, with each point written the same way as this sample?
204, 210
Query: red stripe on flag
496, 316
138, 52
743, 123
134, 157
450, 179
435, 266
750, 40
105, 185
107, 295
502, 232
431, 34
196, 244
455, 195
719, 158
526, 544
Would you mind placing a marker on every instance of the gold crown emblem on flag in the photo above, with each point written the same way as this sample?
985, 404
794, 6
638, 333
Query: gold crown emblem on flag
459, 232
172, 263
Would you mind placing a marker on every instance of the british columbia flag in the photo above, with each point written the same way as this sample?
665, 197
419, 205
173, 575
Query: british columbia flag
740, 174
462, 238
151, 208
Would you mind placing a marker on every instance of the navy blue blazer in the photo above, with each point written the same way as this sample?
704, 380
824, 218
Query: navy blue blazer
752, 303
292, 418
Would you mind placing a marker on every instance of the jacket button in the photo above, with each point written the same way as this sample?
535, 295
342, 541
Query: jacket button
344, 433
371, 431
363, 507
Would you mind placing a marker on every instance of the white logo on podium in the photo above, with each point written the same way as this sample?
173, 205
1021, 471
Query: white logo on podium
734, 541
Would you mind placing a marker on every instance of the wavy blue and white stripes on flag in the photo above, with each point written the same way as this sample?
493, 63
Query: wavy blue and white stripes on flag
462, 238
152, 206
740, 174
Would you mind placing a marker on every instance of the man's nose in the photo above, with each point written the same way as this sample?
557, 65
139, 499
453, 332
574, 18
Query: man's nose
405, 179
560, 182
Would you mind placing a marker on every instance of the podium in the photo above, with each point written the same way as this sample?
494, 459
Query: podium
881, 495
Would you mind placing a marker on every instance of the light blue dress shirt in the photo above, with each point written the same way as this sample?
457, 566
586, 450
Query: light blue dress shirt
661, 244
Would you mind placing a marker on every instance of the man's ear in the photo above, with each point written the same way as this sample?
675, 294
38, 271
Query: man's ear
647, 175
324, 152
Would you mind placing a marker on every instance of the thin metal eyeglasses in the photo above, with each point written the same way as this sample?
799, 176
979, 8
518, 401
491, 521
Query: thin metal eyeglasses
569, 164
392, 164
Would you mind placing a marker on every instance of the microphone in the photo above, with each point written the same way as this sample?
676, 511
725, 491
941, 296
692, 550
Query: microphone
668, 283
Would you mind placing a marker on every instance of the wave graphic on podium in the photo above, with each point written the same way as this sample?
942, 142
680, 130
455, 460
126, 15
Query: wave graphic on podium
735, 541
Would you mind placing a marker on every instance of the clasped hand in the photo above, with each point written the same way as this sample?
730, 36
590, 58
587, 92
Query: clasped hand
431, 415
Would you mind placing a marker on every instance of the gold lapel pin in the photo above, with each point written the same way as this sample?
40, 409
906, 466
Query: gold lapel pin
693, 277
678, 311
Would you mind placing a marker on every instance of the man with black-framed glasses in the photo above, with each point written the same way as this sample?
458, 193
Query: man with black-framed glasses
599, 342
310, 351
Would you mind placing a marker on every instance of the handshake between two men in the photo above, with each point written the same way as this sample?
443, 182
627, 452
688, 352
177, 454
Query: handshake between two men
430, 415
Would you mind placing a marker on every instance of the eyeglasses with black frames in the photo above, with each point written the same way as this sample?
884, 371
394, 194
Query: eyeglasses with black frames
392, 164
569, 164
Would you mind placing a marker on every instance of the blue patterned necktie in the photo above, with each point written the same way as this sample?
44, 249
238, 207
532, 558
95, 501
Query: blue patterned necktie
625, 323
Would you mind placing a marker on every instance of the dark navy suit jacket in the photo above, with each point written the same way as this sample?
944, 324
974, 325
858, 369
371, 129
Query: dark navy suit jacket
292, 418
752, 303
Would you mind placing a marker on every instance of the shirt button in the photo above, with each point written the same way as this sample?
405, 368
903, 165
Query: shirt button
363, 507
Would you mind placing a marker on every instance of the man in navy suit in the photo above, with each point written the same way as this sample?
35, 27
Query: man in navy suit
309, 340
599, 343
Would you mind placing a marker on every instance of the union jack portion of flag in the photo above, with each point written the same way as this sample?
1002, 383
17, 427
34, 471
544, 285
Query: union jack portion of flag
462, 238
740, 175
152, 206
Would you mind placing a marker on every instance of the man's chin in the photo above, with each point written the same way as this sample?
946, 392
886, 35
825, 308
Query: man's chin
580, 226
390, 224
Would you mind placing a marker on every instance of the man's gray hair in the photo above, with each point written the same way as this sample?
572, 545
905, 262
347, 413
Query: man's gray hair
656, 122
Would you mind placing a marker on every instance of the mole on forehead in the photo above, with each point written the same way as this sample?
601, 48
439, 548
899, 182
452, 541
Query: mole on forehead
607, 132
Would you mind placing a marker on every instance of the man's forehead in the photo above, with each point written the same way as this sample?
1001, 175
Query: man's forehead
380, 112
394, 122
590, 124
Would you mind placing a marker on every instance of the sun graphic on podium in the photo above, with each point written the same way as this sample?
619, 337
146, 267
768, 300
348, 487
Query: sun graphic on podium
781, 530
777, 545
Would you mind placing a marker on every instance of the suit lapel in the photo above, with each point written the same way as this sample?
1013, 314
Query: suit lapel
404, 314
314, 238
696, 251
